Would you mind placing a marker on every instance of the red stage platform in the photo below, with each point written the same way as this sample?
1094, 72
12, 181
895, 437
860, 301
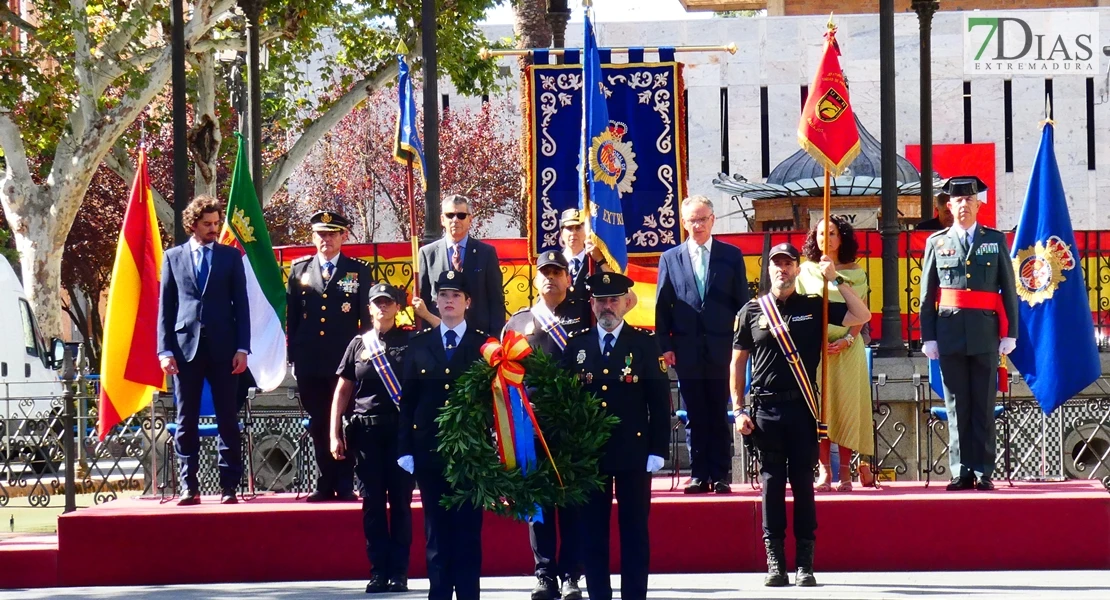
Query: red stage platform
903, 527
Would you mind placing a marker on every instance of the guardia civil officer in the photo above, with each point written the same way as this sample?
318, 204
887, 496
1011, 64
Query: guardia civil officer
581, 254
436, 358
370, 373
326, 305
784, 428
968, 289
623, 366
546, 325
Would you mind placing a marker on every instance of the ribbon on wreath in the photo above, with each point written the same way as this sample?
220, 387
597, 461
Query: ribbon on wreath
513, 418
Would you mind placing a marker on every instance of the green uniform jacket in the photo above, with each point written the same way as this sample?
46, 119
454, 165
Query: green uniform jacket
986, 266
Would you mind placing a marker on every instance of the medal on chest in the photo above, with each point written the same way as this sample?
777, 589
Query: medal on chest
581, 358
626, 372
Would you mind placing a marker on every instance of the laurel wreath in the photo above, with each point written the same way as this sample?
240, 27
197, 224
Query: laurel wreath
572, 421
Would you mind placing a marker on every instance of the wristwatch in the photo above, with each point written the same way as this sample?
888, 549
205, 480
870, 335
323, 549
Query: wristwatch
838, 281
851, 338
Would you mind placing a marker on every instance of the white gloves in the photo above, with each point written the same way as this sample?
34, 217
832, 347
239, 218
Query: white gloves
930, 349
1006, 345
654, 463
405, 462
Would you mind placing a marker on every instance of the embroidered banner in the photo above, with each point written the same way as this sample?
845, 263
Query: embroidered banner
649, 138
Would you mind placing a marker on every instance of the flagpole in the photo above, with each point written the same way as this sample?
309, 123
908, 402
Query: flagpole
413, 237
825, 311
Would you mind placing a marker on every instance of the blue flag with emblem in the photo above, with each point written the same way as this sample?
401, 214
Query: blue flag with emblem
407, 145
1056, 349
602, 163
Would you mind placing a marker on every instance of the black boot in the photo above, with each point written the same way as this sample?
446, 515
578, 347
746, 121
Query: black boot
776, 563
805, 576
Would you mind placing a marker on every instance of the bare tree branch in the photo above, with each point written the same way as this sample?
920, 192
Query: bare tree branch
7, 16
15, 154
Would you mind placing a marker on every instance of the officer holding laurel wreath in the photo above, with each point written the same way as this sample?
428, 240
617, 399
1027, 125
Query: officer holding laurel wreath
435, 360
325, 306
370, 374
969, 315
621, 365
546, 326
782, 421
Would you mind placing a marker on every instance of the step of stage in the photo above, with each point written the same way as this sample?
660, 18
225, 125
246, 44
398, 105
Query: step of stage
902, 527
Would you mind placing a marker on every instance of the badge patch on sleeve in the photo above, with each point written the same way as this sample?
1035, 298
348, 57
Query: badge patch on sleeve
662, 365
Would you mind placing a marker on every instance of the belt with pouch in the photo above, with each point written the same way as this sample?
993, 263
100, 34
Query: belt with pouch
375, 420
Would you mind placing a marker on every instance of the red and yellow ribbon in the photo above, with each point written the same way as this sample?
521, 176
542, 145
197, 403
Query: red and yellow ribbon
506, 357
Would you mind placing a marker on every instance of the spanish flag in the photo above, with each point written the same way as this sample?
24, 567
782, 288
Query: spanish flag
129, 369
827, 129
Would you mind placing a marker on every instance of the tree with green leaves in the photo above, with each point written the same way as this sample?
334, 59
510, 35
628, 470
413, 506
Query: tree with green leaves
77, 74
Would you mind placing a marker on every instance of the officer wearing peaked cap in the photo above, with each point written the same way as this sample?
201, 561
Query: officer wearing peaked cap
436, 358
326, 305
581, 255
369, 382
623, 366
546, 325
969, 313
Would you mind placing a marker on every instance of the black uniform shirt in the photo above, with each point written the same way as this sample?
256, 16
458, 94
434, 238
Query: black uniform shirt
770, 371
370, 395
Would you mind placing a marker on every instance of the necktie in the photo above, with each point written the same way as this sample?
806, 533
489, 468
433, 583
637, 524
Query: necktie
577, 265
456, 258
700, 269
329, 270
202, 268
609, 339
452, 340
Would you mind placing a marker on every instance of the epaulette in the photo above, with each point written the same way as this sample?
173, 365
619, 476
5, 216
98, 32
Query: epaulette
939, 232
423, 331
523, 310
481, 333
297, 261
361, 262
642, 330
579, 332
991, 229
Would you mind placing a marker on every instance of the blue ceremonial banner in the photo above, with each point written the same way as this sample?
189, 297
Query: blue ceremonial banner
1056, 349
407, 145
638, 173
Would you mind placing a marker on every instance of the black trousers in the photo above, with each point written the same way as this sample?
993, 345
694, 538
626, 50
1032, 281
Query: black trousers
786, 435
336, 476
633, 492
388, 534
705, 392
454, 541
971, 389
558, 523
188, 385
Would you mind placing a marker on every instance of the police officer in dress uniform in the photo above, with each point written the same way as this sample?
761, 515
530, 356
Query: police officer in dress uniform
784, 429
968, 287
581, 254
546, 326
436, 358
623, 366
370, 372
326, 305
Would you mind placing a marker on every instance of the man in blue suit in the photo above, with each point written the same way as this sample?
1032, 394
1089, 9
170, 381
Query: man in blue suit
702, 286
204, 334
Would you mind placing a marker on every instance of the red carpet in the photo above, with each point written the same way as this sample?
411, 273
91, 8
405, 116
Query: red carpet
903, 527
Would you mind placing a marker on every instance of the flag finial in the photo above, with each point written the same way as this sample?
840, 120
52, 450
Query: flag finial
401, 47
1047, 111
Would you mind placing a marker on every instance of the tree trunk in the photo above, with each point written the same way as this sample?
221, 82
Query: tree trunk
40, 244
204, 136
532, 31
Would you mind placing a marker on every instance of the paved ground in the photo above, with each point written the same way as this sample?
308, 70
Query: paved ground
1070, 585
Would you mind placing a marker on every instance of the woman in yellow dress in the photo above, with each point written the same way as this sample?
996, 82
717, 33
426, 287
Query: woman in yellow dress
849, 394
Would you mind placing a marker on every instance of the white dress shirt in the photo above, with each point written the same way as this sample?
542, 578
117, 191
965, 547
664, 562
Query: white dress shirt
459, 330
601, 336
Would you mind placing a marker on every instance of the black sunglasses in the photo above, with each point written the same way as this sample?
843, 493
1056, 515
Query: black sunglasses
459, 215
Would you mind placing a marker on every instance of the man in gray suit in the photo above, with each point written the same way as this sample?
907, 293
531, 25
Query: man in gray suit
204, 333
457, 251
969, 315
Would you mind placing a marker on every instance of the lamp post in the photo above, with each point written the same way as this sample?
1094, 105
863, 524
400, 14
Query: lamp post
431, 120
181, 188
891, 342
251, 9
558, 15
925, 10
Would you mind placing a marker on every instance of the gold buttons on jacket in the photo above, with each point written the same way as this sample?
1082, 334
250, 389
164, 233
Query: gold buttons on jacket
605, 371
604, 387
325, 296
988, 263
323, 320
414, 425
638, 434
447, 386
604, 404
321, 333
447, 371
969, 275
423, 371
969, 263
323, 308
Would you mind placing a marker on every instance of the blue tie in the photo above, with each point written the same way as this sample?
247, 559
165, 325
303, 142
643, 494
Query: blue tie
452, 341
329, 269
609, 339
202, 269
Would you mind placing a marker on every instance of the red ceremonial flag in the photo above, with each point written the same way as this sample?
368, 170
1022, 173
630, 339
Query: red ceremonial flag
827, 129
129, 368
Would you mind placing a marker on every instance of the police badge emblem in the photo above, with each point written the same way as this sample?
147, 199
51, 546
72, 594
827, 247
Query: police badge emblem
346, 307
581, 358
450, 274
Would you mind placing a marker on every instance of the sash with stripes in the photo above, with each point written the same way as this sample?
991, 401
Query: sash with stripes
550, 323
377, 357
781, 332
